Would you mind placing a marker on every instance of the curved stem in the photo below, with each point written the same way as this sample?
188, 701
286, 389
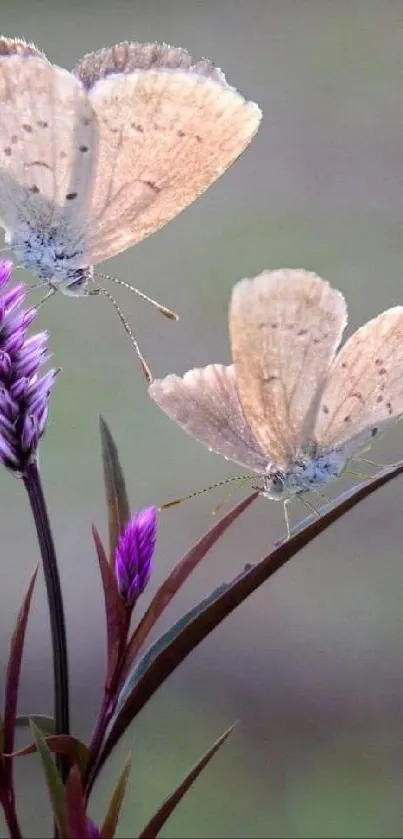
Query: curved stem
33, 485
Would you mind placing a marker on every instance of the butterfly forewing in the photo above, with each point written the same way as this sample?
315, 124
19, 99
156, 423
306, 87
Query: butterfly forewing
48, 143
205, 403
285, 327
165, 136
365, 385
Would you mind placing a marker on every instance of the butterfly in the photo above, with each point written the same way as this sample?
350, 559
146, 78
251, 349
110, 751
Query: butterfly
293, 407
94, 160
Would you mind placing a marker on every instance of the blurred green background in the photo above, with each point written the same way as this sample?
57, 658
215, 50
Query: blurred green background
312, 665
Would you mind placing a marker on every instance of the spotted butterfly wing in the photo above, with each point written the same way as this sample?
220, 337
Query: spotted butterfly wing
364, 389
168, 128
285, 328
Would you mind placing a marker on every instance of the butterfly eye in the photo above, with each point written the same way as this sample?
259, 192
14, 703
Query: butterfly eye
273, 487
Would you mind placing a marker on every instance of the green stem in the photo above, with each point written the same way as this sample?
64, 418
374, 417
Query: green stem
33, 485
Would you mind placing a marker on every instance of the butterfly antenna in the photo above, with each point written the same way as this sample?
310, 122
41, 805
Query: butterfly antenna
176, 501
168, 313
145, 367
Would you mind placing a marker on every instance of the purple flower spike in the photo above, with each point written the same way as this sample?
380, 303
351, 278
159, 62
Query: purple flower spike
24, 395
134, 553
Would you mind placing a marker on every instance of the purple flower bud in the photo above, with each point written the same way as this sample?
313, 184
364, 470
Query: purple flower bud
24, 394
93, 830
133, 557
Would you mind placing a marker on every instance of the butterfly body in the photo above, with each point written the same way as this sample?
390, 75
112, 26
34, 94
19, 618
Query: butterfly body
45, 253
308, 472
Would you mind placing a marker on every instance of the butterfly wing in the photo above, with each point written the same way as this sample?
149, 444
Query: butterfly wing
205, 403
364, 391
168, 129
285, 327
48, 141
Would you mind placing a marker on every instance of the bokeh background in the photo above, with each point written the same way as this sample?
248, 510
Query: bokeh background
311, 666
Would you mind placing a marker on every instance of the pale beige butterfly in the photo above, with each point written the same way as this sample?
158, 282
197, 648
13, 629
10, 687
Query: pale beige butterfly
291, 408
94, 160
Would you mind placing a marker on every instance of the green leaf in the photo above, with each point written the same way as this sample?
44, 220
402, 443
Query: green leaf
53, 780
115, 488
152, 829
112, 817
178, 577
45, 724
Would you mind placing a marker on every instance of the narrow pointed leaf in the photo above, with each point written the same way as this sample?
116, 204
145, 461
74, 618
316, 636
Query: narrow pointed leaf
166, 642
75, 806
152, 829
177, 578
60, 744
115, 488
195, 631
45, 724
112, 817
54, 782
13, 676
115, 612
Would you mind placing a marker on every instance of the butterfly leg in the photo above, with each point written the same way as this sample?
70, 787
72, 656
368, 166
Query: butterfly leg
51, 291
145, 367
287, 518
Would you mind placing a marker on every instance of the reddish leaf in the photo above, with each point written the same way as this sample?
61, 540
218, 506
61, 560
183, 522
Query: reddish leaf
112, 817
233, 594
115, 488
152, 829
115, 611
75, 806
62, 744
177, 578
13, 677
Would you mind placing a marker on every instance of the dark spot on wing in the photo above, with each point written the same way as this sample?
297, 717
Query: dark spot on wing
152, 186
86, 121
344, 365
357, 395
41, 123
374, 432
34, 189
347, 418
390, 408
378, 362
83, 148
274, 325
7, 151
181, 133
382, 371
27, 127
70, 196
137, 127
14, 139
62, 155
325, 409
269, 379
316, 340
302, 332
198, 138
379, 398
